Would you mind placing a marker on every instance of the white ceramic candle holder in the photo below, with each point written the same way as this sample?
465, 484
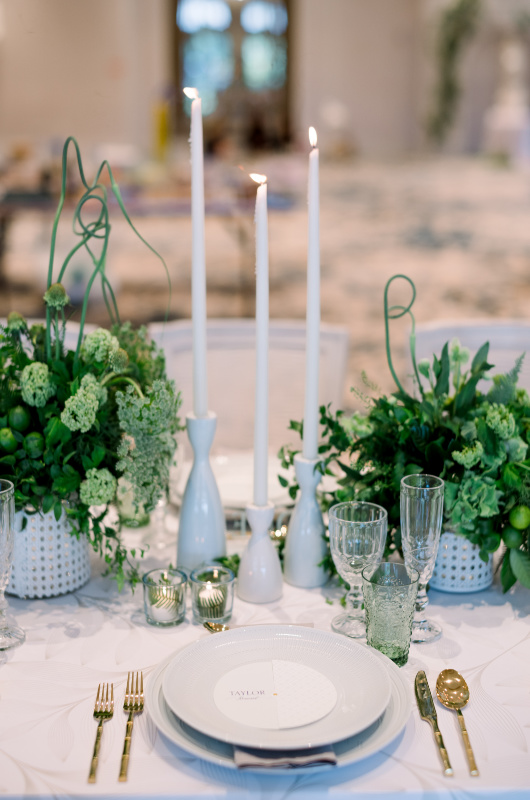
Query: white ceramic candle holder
259, 579
202, 533
305, 546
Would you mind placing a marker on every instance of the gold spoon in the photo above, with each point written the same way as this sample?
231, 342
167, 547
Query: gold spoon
453, 693
216, 627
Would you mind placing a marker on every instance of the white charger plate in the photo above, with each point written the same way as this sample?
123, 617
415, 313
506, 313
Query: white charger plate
348, 751
358, 676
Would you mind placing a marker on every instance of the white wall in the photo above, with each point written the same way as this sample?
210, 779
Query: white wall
91, 68
363, 56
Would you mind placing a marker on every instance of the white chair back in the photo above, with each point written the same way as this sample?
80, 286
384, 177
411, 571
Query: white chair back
231, 374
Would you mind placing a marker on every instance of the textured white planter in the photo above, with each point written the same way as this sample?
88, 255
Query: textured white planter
47, 559
458, 566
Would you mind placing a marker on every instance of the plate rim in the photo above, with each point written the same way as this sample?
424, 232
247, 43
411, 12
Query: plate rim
256, 733
398, 686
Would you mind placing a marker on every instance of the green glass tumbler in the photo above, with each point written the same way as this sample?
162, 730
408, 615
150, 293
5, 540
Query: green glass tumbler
389, 601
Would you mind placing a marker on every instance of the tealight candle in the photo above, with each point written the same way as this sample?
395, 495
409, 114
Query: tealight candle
164, 596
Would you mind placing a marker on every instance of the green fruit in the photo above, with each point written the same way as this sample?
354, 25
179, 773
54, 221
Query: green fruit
511, 537
520, 517
7, 440
19, 418
34, 444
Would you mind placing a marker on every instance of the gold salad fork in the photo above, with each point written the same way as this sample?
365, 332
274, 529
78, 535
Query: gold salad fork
103, 710
133, 704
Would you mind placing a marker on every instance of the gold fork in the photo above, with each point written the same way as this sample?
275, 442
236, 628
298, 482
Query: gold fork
103, 710
133, 704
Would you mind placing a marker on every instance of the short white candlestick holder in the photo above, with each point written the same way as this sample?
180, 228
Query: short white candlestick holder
305, 546
259, 579
202, 533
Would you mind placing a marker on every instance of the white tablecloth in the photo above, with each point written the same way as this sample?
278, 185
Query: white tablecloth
74, 642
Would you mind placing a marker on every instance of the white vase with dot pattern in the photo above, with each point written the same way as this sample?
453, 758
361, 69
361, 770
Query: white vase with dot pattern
47, 559
458, 566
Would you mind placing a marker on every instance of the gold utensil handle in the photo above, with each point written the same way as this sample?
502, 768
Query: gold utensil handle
124, 766
469, 751
448, 770
95, 754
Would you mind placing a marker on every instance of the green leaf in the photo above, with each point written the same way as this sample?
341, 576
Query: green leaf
442, 383
511, 477
48, 501
465, 397
59, 367
480, 362
283, 481
520, 564
98, 454
58, 510
507, 577
56, 432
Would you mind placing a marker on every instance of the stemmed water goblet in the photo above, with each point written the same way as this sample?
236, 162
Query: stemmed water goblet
10, 635
422, 501
357, 536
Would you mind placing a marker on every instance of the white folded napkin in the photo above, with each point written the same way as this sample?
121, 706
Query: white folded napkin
312, 757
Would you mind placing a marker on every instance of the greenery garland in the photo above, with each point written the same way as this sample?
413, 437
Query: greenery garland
457, 26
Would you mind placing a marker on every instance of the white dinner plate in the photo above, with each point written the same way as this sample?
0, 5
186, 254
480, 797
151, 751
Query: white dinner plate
348, 751
358, 677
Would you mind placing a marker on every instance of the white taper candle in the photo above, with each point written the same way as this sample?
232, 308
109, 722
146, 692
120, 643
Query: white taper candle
198, 266
261, 412
311, 412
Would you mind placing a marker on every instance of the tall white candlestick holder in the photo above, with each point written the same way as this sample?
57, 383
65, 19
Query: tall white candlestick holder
202, 533
305, 546
259, 579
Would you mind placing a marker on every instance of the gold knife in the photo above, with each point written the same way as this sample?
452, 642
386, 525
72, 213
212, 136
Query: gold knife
428, 713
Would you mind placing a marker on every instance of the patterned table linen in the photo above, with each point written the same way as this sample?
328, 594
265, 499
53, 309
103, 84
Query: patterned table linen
76, 641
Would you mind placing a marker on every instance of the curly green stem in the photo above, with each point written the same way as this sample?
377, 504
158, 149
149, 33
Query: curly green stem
396, 312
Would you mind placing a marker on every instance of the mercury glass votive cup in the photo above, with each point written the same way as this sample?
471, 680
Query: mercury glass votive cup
422, 503
10, 634
357, 536
389, 598
165, 596
212, 593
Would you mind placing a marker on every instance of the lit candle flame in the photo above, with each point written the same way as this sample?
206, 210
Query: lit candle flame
312, 137
258, 178
191, 92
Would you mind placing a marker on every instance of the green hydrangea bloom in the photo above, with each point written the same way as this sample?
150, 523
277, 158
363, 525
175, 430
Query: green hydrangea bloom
36, 385
99, 345
91, 384
516, 449
55, 296
119, 360
469, 456
500, 420
99, 488
476, 496
15, 321
146, 449
79, 413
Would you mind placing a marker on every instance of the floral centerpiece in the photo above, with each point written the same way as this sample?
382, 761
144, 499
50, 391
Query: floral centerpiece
477, 441
75, 422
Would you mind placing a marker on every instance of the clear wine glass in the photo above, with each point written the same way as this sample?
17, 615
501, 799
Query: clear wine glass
422, 502
10, 635
357, 536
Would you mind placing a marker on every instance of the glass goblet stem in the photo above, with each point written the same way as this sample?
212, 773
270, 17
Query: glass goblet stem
354, 599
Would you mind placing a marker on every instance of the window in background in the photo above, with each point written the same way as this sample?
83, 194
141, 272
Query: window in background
235, 53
